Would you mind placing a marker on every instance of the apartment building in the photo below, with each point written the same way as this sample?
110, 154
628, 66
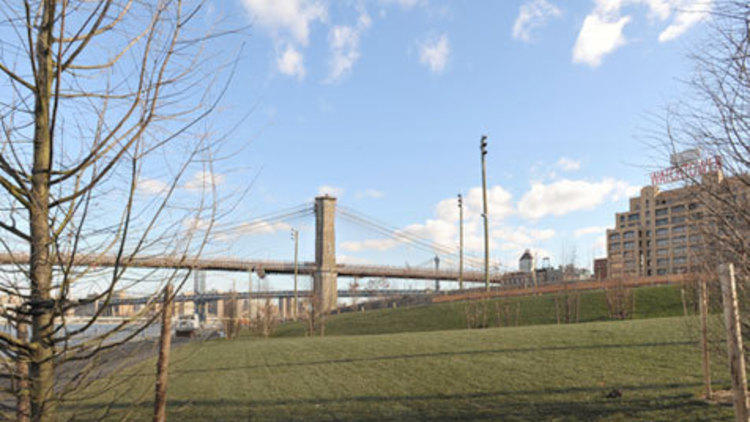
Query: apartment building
659, 234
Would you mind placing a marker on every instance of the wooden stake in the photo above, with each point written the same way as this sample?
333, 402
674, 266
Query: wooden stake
162, 365
734, 341
703, 304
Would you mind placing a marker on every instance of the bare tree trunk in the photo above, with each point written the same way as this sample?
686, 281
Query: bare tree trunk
684, 302
23, 405
162, 365
42, 371
734, 342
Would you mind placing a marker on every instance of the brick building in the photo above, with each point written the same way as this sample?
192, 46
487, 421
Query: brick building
660, 233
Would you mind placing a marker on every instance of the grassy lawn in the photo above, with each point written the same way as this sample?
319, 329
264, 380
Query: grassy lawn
650, 302
542, 372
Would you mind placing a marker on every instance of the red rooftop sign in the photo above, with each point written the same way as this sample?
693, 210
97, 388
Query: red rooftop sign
687, 170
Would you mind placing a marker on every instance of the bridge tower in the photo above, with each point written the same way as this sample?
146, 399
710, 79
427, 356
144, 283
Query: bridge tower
325, 276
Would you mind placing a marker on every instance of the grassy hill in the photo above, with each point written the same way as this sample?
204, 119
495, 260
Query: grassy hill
650, 302
543, 372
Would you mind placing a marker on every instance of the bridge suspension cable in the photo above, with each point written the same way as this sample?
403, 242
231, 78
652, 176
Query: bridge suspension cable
266, 219
402, 236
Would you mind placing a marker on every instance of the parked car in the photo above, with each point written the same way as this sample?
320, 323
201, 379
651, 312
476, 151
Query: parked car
187, 325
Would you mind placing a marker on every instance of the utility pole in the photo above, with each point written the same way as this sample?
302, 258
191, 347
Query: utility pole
295, 236
437, 267
483, 150
460, 242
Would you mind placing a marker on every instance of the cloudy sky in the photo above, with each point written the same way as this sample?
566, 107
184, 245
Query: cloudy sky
382, 103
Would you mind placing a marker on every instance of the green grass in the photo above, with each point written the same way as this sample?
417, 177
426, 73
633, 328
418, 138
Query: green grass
650, 302
543, 372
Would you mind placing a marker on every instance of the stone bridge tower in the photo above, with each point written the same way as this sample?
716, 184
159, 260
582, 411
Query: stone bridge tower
325, 286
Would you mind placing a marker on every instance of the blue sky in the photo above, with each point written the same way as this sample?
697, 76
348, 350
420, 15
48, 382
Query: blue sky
383, 102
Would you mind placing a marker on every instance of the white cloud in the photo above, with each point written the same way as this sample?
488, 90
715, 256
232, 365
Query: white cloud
689, 14
434, 53
585, 231
287, 17
352, 260
565, 196
330, 190
602, 29
499, 205
369, 245
370, 193
569, 164
443, 229
531, 15
204, 180
344, 43
195, 223
522, 237
599, 36
152, 187
290, 62
406, 4
260, 227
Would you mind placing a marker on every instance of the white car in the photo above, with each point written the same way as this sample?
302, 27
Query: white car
187, 325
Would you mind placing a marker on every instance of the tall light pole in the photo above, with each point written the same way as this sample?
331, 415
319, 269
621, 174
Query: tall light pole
460, 242
295, 236
483, 150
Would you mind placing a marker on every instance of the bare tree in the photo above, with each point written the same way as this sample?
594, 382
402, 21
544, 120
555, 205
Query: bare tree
102, 104
715, 119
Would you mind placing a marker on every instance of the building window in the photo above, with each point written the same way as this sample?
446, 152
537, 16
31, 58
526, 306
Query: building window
661, 271
662, 242
678, 230
662, 262
634, 217
678, 240
678, 220
628, 245
679, 260
662, 232
680, 250
693, 206
629, 234
662, 221
695, 238
662, 252
660, 211
678, 208
614, 236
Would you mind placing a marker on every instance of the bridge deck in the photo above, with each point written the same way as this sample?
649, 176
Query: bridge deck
262, 267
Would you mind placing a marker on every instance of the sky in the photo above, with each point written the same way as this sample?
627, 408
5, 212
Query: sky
382, 104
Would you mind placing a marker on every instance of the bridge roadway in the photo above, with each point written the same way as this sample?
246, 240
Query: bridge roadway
210, 297
262, 268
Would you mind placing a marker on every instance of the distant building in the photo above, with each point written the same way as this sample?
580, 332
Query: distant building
600, 269
526, 262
